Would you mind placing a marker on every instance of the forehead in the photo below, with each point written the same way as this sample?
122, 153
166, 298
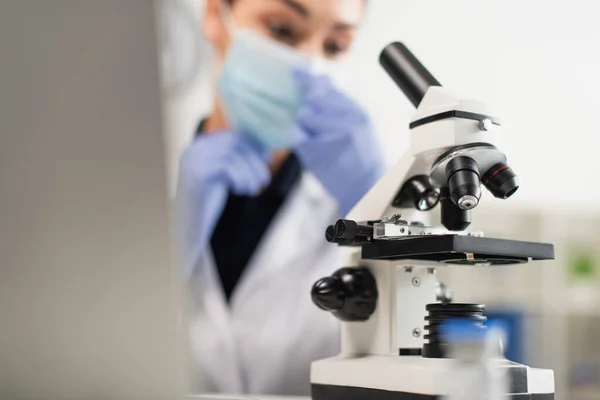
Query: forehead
347, 11
333, 11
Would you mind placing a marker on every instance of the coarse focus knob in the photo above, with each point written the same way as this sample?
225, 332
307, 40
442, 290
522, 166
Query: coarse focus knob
350, 294
328, 293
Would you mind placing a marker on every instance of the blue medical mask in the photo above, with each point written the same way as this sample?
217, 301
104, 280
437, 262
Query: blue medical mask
259, 93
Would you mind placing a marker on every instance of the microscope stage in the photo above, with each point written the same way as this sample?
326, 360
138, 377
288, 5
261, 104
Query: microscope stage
458, 249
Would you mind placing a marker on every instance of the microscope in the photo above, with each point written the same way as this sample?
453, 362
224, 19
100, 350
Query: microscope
391, 306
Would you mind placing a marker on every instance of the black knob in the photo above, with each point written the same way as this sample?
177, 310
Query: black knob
328, 293
350, 230
350, 294
330, 234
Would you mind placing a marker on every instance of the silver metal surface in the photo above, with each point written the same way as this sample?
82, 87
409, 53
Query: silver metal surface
486, 156
394, 219
395, 231
383, 231
443, 293
416, 281
416, 332
486, 125
476, 234
429, 201
485, 261
468, 202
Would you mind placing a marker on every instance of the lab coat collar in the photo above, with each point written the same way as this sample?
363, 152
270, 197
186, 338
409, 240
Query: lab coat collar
285, 245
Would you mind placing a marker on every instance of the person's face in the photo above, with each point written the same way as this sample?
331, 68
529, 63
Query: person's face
317, 28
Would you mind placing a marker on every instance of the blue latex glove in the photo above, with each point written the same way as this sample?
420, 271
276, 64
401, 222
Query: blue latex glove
335, 141
211, 167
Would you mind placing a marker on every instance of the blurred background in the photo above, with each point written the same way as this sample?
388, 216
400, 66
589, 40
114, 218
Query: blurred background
535, 62
538, 63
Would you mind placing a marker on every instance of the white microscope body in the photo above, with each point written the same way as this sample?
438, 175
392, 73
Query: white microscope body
389, 350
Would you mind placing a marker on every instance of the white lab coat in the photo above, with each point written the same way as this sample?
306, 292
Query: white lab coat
264, 341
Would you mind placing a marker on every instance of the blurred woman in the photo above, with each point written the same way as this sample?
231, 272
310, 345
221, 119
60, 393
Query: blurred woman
283, 154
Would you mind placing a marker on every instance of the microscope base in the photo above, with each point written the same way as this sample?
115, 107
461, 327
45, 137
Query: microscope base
411, 378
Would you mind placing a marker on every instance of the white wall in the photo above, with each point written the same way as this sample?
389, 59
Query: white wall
537, 61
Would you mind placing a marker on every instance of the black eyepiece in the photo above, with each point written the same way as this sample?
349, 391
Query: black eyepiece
463, 182
407, 71
501, 181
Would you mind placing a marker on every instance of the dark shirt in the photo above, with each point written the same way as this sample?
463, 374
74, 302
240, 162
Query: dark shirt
244, 221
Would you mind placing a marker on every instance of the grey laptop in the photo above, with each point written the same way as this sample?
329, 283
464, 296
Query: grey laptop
88, 294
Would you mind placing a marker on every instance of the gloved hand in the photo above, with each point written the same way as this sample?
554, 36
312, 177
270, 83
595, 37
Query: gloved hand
209, 168
335, 140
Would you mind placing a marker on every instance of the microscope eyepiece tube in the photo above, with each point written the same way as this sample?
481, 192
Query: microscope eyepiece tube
407, 71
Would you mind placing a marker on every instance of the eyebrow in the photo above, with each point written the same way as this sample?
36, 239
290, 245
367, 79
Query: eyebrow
342, 26
298, 7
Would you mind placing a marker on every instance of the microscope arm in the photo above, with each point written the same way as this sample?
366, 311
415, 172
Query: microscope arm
454, 146
387, 294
